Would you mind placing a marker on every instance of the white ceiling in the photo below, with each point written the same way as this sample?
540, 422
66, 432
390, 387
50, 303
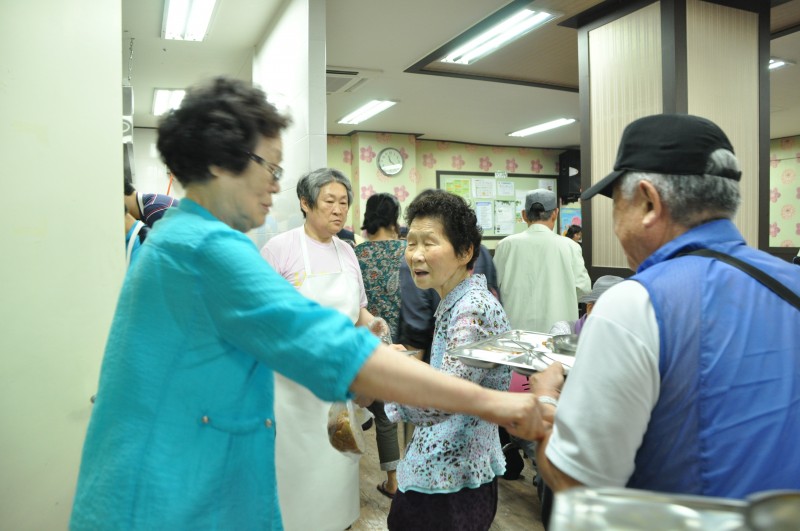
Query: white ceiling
388, 37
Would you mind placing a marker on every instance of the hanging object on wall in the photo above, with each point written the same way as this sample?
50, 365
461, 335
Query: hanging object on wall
127, 132
569, 175
127, 121
127, 113
127, 161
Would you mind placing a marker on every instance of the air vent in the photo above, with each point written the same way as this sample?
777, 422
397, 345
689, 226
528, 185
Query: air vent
340, 80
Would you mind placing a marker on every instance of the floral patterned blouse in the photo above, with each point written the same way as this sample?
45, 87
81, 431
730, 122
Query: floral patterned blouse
380, 269
452, 451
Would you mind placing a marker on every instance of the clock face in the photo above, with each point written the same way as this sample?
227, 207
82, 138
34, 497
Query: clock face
390, 161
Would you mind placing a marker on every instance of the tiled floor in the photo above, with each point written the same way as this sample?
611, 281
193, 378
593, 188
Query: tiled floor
518, 508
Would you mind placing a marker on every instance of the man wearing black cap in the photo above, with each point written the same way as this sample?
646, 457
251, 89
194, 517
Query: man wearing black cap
687, 375
541, 274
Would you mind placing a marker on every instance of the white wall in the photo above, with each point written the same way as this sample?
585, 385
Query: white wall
63, 242
290, 67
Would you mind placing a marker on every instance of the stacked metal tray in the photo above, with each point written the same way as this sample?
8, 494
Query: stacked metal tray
525, 352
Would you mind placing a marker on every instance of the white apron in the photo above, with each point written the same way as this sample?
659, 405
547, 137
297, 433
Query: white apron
318, 487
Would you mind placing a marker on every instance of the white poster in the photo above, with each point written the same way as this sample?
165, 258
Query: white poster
548, 184
483, 211
483, 188
505, 189
520, 205
505, 217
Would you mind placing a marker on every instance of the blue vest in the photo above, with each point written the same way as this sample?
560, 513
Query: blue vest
727, 420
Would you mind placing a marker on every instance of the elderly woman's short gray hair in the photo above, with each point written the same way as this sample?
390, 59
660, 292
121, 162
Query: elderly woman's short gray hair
311, 183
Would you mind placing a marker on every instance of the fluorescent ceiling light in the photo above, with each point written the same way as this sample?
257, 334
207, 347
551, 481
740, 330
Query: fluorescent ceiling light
166, 99
542, 127
187, 20
367, 111
499, 35
775, 62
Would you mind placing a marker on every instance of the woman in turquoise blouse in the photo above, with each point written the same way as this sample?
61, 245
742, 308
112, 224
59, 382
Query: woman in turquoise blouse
447, 480
182, 432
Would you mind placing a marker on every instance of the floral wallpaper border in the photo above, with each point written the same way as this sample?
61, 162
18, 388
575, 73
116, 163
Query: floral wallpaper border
784, 192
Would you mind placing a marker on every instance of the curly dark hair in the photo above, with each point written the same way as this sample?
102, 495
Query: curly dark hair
383, 210
217, 123
456, 216
573, 230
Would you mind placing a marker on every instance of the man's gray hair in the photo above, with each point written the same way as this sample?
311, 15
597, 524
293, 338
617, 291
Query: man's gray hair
693, 199
311, 183
537, 213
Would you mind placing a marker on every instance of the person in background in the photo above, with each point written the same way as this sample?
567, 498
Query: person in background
148, 208
574, 233
348, 237
520, 383
325, 269
135, 234
182, 435
380, 257
685, 378
447, 479
601, 285
541, 274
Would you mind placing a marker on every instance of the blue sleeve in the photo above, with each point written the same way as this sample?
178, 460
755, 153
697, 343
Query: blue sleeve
260, 313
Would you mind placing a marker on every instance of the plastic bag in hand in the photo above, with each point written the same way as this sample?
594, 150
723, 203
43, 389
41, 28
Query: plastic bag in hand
344, 427
380, 328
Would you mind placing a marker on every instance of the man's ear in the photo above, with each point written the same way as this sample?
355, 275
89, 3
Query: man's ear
524, 216
653, 207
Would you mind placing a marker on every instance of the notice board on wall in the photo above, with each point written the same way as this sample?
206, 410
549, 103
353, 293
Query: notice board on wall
498, 198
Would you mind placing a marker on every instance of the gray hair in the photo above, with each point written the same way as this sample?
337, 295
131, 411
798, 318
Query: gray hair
311, 183
693, 199
537, 213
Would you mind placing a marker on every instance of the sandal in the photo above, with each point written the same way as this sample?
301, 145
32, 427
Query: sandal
383, 490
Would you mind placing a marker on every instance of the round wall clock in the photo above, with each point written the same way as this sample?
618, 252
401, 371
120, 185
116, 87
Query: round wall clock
390, 161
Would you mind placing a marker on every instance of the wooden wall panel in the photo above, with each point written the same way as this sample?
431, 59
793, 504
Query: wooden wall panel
626, 84
722, 72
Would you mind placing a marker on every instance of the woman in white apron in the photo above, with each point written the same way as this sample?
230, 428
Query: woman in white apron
318, 487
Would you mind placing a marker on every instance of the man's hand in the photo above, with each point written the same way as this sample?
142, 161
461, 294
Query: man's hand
519, 414
549, 381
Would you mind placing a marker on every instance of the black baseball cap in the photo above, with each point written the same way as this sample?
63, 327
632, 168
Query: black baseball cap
674, 144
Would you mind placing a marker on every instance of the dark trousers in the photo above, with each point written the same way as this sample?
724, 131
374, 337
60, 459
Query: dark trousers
465, 510
386, 437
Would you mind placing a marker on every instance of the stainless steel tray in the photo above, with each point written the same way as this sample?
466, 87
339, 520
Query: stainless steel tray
583, 508
524, 351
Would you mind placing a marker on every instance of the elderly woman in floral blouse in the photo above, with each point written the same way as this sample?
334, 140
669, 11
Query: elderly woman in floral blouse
447, 480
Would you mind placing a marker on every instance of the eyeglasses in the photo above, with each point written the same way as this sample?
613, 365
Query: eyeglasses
274, 169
